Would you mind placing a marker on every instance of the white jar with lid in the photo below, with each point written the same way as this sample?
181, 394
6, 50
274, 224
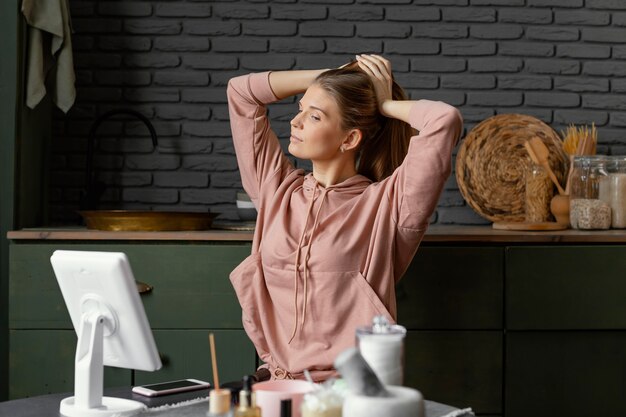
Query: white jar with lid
613, 191
382, 346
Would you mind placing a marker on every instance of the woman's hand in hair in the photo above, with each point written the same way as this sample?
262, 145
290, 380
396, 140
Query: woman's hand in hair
379, 69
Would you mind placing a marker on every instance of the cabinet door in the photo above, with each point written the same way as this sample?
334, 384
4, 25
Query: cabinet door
570, 287
186, 354
573, 374
453, 288
191, 285
42, 362
460, 368
35, 300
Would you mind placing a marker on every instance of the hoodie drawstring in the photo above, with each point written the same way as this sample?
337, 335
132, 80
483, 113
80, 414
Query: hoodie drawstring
306, 256
306, 259
295, 282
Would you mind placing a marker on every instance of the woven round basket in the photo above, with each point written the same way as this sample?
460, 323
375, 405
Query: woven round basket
492, 162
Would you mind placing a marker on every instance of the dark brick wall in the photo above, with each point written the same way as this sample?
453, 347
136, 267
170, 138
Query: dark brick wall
563, 61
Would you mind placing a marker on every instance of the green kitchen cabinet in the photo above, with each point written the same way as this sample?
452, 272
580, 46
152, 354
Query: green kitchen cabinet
24, 140
580, 287
566, 331
191, 296
11, 211
507, 328
453, 287
42, 362
190, 284
565, 373
461, 368
451, 301
186, 354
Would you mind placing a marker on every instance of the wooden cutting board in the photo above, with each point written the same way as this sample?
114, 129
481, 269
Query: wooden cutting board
529, 226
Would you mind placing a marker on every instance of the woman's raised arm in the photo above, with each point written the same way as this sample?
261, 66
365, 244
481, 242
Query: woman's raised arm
289, 83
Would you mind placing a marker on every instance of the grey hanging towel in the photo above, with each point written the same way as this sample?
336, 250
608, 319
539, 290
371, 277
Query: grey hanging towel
49, 53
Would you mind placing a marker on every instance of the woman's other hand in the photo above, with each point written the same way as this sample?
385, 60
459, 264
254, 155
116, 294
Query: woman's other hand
379, 69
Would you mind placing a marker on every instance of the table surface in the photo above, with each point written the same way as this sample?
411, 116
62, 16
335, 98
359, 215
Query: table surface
48, 405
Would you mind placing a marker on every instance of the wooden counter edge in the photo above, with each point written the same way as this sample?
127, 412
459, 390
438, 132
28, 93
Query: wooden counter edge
84, 234
435, 234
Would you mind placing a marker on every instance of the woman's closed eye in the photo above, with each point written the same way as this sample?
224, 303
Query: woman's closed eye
313, 116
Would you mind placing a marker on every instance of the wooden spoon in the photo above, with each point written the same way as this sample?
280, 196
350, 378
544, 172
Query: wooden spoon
539, 153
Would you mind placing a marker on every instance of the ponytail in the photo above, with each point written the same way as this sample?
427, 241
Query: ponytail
381, 154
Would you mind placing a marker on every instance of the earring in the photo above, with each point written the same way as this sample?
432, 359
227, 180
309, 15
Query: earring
342, 149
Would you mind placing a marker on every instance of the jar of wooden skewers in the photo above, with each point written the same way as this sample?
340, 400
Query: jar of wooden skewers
539, 190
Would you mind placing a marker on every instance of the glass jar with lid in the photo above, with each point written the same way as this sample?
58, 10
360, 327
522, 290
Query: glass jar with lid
539, 191
588, 208
613, 191
382, 346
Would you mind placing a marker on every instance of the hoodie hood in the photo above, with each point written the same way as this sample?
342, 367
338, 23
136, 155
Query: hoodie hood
349, 188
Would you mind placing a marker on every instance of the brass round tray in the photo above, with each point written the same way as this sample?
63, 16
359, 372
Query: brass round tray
492, 163
242, 226
150, 221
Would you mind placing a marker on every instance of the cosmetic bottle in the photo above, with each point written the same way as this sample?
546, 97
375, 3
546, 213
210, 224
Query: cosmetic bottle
285, 408
247, 404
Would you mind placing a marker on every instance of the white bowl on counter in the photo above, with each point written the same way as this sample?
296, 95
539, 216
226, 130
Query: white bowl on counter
270, 393
245, 207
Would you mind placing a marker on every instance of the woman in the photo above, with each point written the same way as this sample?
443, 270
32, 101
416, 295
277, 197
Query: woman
330, 245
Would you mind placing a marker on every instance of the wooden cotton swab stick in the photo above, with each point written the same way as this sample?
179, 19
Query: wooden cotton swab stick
219, 399
216, 380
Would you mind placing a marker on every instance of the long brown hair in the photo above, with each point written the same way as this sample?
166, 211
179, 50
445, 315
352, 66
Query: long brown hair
385, 140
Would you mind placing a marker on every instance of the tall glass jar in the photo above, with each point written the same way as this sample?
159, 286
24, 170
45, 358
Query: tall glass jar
613, 191
588, 208
539, 191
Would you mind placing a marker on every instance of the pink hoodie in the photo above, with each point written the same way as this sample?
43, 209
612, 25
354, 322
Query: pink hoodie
326, 260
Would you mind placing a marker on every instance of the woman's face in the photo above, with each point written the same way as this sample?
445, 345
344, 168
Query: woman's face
316, 132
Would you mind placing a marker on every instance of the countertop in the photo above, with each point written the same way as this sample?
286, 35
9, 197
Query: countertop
185, 404
435, 234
